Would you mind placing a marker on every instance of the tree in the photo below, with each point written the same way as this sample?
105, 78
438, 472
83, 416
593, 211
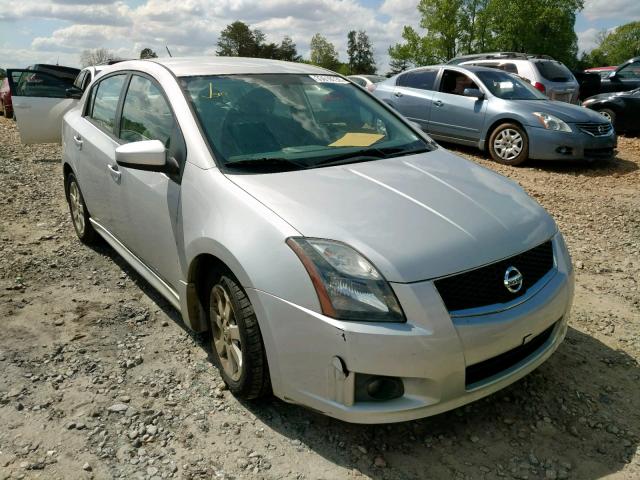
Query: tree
238, 40
415, 51
617, 46
3, 73
288, 51
148, 53
323, 53
360, 53
96, 56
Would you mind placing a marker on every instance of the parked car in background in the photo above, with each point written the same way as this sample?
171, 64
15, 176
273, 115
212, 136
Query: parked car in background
324, 243
602, 72
6, 107
366, 81
496, 111
549, 76
624, 77
67, 73
589, 83
45, 114
622, 109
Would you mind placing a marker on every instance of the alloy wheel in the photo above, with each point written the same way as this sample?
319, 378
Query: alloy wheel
226, 334
606, 115
508, 144
77, 208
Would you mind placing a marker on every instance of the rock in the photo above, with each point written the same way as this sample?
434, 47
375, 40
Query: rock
152, 429
86, 467
118, 408
242, 463
380, 462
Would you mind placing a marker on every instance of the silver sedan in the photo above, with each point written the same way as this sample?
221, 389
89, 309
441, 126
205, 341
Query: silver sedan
335, 254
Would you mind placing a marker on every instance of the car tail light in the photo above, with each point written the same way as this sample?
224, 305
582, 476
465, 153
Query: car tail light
540, 87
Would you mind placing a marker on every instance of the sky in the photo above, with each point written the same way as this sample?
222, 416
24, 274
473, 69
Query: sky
56, 31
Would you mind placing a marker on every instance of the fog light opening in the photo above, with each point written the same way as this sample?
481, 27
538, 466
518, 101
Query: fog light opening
372, 388
564, 150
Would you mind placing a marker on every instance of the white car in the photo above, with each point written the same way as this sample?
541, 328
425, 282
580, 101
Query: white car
333, 252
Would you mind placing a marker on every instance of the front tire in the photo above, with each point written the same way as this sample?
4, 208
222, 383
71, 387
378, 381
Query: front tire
608, 114
236, 341
509, 144
79, 213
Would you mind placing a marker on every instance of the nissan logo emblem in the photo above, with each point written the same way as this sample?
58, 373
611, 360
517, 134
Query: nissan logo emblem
513, 280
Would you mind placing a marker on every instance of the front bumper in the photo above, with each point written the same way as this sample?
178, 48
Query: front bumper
430, 353
551, 145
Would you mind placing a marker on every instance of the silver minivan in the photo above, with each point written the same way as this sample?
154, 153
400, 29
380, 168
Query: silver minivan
334, 254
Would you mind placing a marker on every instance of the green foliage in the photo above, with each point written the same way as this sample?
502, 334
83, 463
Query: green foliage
238, 40
3, 73
360, 53
616, 47
148, 53
323, 53
457, 27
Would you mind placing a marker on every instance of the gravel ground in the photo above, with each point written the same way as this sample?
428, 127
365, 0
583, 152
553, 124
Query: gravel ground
101, 380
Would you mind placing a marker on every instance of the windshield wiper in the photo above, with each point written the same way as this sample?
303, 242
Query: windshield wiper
265, 163
369, 154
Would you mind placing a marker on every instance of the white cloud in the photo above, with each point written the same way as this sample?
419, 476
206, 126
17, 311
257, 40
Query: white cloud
606, 9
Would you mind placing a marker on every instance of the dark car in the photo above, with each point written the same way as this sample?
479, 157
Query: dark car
621, 108
589, 83
624, 77
6, 107
67, 73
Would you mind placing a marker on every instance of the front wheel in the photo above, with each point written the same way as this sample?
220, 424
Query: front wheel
508, 144
608, 114
236, 341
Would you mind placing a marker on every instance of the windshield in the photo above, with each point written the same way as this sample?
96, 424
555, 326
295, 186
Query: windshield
553, 71
294, 121
508, 87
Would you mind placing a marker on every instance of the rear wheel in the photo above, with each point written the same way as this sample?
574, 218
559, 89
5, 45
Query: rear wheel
79, 213
236, 341
508, 144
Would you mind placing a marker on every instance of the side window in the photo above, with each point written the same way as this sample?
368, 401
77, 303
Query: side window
509, 67
104, 98
455, 82
86, 81
421, 79
28, 83
79, 81
631, 71
145, 113
359, 81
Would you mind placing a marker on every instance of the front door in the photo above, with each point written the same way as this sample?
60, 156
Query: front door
40, 100
453, 115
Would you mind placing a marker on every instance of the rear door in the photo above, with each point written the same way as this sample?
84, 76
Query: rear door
414, 93
39, 102
453, 115
626, 78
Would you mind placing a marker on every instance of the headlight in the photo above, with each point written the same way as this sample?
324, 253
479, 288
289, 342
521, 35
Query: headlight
552, 123
349, 287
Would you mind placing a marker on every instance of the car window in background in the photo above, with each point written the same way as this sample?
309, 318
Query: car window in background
509, 87
39, 84
359, 81
509, 67
374, 78
79, 81
553, 71
295, 120
455, 82
105, 101
421, 79
631, 71
145, 113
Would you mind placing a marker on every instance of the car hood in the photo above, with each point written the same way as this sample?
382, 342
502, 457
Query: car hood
611, 95
417, 217
564, 111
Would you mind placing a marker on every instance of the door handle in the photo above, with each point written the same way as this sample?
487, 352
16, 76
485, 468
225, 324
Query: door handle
397, 94
78, 141
115, 173
438, 103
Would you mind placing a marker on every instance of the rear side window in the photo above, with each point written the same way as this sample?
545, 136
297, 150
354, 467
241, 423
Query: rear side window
631, 71
105, 98
79, 81
359, 81
145, 113
509, 67
39, 84
553, 71
421, 79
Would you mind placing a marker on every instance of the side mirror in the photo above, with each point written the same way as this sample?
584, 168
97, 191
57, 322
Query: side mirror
74, 92
473, 92
613, 75
145, 155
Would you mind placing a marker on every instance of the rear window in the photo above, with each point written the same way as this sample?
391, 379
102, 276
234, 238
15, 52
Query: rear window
553, 71
422, 79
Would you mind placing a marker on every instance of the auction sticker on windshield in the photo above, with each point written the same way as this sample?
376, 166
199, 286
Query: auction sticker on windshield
328, 79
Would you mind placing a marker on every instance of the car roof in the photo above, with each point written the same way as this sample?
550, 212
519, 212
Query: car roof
469, 68
194, 66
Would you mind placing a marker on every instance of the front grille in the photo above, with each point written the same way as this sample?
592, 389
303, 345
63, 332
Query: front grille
493, 366
596, 129
485, 285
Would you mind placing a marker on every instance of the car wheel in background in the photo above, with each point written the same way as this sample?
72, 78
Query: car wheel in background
236, 341
79, 213
608, 114
508, 144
